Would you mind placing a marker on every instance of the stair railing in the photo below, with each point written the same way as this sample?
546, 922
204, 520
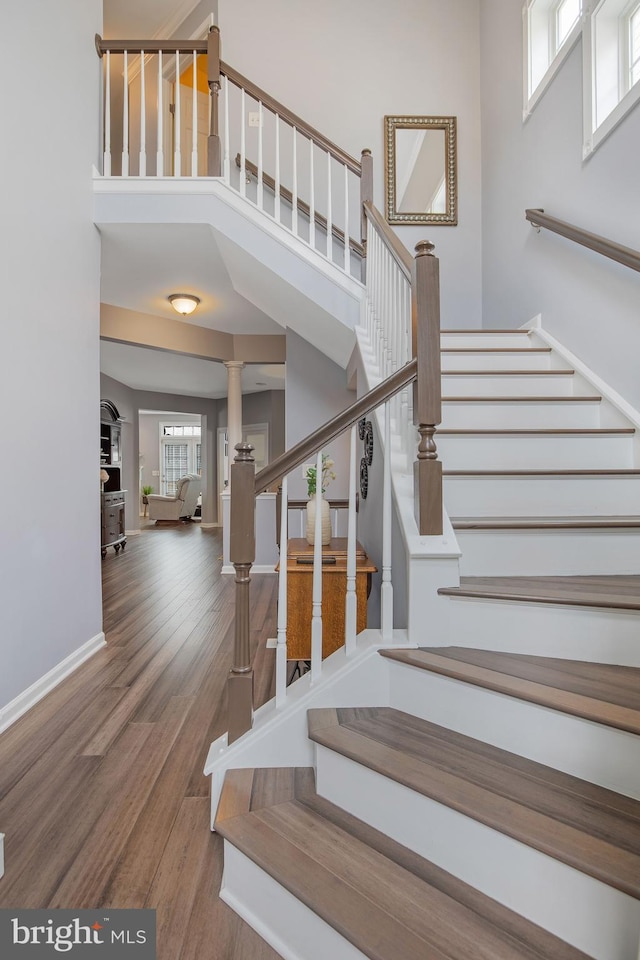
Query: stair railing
421, 367
174, 118
608, 248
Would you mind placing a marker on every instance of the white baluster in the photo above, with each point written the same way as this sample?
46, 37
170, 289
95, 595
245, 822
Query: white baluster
329, 211
125, 118
142, 160
227, 165
194, 119
177, 157
294, 186
243, 175
106, 166
351, 602
260, 185
347, 251
276, 209
160, 151
386, 589
316, 616
281, 649
312, 200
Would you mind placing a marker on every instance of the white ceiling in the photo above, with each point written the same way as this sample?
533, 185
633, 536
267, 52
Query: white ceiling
144, 369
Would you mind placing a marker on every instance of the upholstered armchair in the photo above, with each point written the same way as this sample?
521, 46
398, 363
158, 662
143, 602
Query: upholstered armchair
182, 505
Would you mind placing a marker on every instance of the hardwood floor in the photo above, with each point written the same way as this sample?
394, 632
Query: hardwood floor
102, 796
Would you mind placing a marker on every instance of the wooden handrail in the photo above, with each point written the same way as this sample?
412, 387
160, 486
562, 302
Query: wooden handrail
291, 118
399, 253
302, 206
149, 46
608, 248
301, 452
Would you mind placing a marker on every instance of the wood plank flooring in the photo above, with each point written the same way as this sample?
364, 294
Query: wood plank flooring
102, 796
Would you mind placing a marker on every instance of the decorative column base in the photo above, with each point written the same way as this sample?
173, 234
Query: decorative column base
240, 700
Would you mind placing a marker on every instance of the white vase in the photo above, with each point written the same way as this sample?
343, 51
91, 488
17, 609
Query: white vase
311, 520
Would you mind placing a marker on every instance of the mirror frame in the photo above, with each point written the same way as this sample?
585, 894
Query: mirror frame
448, 125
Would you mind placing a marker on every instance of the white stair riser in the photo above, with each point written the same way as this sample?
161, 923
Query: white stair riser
551, 452
551, 553
584, 912
564, 496
514, 416
590, 751
506, 386
507, 340
594, 634
291, 928
513, 360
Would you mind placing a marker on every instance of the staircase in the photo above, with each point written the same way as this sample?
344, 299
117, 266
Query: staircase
488, 807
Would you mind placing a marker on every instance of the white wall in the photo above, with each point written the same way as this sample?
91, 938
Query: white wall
589, 303
49, 366
343, 66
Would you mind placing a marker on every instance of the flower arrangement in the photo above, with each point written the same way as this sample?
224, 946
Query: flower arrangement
327, 475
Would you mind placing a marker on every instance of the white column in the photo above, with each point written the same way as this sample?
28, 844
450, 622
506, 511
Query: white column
234, 405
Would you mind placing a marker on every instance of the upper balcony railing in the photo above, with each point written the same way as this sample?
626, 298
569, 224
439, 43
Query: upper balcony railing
174, 109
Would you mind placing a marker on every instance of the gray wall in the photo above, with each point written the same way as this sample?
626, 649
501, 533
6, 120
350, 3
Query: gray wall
410, 57
266, 407
49, 360
590, 304
315, 391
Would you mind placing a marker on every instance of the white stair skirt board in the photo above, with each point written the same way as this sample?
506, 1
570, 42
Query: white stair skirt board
522, 414
500, 360
598, 635
595, 918
559, 451
291, 928
550, 553
582, 748
505, 385
542, 496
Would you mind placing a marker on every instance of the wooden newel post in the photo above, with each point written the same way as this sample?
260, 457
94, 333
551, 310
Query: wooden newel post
366, 191
427, 389
242, 553
214, 152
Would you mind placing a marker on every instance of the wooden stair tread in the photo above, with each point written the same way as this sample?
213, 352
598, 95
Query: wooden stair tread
481, 332
538, 432
544, 523
615, 592
532, 399
508, 373
385, 899
602, 693
620, 472
585, 826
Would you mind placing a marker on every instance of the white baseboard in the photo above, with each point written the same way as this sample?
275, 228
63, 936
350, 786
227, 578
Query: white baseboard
132, 533
256, 568
210, 526
29, 697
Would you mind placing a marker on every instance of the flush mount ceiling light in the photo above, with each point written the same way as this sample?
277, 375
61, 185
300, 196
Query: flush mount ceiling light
184, 303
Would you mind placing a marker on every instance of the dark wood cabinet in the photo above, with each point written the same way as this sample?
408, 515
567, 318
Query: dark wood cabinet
112, 525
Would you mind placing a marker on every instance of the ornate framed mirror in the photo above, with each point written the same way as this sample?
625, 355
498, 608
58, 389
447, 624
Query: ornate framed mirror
421, 177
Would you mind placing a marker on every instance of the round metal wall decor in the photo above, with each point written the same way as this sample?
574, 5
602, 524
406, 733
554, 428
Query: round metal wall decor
364, 479
368, 442
362, 424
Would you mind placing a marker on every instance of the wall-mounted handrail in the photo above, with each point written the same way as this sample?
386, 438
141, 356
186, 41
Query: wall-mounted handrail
608, 248
303, 207
397, 250
303, 450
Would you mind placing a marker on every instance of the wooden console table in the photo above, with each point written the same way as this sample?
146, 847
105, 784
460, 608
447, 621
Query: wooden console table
334, 591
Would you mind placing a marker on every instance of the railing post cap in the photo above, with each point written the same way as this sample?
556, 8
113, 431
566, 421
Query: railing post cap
214, 28
244, 451
98, 40
366, 152
425, 248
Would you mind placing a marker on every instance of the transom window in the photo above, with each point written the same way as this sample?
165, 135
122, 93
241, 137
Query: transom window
634, 46
567, 15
